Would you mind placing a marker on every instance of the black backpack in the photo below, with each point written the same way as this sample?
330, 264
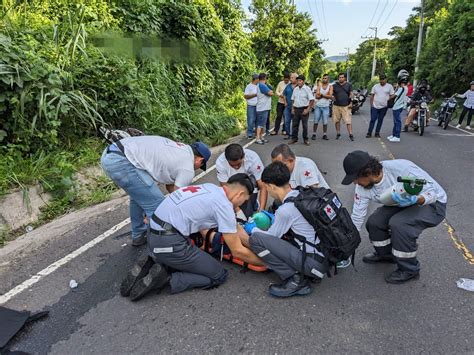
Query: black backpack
339, 238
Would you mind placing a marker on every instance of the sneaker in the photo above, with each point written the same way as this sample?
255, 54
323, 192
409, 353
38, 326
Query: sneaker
293, 141
325, 138
259, 141
468, 128
338, 136
140, 269
377, 135
351, 137
395, 140
140, 240
343, 264
249, 137
156, 279
306, 142
389, 137
283, 133
296, 285
368, 135
313, 137
458, 126
274, 133
401, 276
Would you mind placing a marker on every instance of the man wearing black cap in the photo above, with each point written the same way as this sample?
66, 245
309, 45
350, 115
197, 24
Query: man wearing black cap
393, 228
139, 164
303, 102
380, 94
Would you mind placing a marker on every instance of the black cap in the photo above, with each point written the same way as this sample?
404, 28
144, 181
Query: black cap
300, 77
353, 163
254, 77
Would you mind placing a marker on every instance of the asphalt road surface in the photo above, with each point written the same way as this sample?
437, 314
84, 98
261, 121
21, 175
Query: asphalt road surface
352, 312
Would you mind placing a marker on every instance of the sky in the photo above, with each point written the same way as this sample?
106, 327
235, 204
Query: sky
343, 22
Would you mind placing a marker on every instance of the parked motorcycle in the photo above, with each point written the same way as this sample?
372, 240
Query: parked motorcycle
358, 99
446, 111
419, 122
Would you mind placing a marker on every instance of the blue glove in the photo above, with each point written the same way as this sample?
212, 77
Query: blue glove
404, 201
270, 215
249, 226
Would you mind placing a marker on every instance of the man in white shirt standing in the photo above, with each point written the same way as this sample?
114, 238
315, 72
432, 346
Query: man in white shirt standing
173, 258
281, 104
250, 95
380, 95
236, 159
304, 171
294, 262
264, 105
139, 164
393, 230
302, 102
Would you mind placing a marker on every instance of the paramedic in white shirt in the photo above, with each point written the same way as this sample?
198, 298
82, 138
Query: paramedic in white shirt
236, 159
304, 171
139, 164
393, 230
173, 258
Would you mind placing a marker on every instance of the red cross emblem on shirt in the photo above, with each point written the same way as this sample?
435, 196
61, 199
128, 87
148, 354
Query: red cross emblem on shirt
307, 173
179, 144
328, 210
258, 167
191, 189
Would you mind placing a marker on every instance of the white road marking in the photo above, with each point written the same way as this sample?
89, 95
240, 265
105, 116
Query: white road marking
63, 261
452, 134
459, 129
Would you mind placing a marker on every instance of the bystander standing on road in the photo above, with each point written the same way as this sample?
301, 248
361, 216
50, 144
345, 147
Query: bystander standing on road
324, 93
468, 106
250, 95
341, 109
287, 94
303, 101
398, 106
281, 104
264, 105
378, 105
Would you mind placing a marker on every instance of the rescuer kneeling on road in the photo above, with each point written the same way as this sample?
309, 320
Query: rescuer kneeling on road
174, 259
413, 202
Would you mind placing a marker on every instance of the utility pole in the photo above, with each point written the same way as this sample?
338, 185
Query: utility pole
420, 39
374, 61
347, 63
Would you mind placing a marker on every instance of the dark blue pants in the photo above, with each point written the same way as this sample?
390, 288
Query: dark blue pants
376, 115
397, 123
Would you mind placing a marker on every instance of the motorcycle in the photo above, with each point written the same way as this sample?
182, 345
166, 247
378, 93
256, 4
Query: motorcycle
419, 122
446, 110
358, 100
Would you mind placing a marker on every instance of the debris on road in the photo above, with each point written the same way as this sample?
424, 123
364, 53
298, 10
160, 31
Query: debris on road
29, 229
466, 284
73, 284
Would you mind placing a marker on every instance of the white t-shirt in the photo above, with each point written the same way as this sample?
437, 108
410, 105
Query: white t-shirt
302, 96
252, 165
288, 217
306, 173
469, 96
382, 94
251, 89
167, 161
193, 208
264, 101
391, 170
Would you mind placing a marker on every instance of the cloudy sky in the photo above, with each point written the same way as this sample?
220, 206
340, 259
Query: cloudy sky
343, 22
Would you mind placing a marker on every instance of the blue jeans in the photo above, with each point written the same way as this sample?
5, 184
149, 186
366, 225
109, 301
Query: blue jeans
376, 115
288, 117
321, 114
397, 123
262, 118
145, 195
251, 119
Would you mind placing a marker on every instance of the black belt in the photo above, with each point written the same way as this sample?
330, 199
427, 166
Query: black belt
120, 146
301, 108
168, 228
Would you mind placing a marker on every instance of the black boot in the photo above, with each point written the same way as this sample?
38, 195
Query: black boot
401, 276
139, 270
156, 279
374, 258
295, 285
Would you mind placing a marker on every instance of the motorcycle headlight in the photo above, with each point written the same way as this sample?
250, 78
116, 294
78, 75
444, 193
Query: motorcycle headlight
452, 104
424, 105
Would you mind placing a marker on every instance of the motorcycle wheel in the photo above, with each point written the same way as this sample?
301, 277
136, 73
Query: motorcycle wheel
421, 125
440, 120
447, 118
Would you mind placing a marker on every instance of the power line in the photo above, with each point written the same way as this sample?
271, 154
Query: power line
388, 16
319, 20
381, 14
324, 18
373, 15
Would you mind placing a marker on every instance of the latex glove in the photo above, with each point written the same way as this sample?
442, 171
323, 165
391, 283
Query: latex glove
249, 226
404, 201
270, 215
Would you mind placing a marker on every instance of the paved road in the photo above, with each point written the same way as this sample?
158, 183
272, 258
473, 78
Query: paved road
353, 312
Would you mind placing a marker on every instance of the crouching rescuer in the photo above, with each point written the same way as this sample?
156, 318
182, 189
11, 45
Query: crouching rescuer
300, 246
174, 258
412, 201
